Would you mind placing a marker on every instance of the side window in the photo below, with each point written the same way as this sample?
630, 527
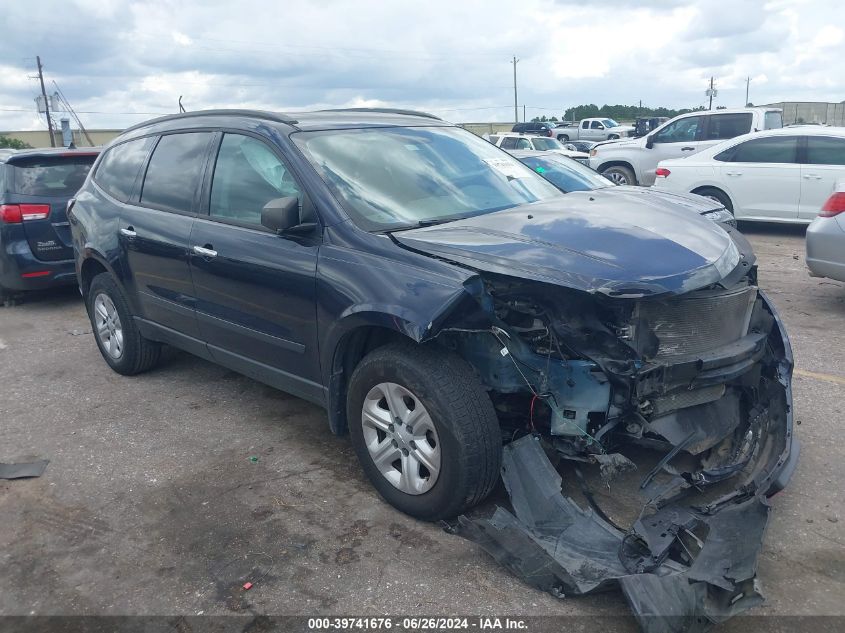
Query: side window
773, 119
825, 150
508, 142
724, 126
585, 125
681, 131
173, 174
773, 149
120, 166
523, 143
247, 176
494, 139
596, 125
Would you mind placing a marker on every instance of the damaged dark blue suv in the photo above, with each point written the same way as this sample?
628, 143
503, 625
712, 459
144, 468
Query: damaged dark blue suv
451, 309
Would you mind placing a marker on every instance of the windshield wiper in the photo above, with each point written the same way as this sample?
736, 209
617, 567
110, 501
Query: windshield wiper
427, 222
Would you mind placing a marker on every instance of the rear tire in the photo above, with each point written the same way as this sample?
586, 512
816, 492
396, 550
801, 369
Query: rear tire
620, 175
434, 389
718, 195
115, 331
563, 138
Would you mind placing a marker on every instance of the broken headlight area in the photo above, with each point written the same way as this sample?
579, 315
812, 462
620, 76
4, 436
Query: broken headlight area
684, 403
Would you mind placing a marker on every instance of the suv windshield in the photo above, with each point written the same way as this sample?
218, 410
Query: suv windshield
609, 123
51, 175
392, 178
544, 143
566, 174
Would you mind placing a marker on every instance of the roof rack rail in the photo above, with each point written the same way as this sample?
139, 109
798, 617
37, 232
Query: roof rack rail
427, 115
280, 117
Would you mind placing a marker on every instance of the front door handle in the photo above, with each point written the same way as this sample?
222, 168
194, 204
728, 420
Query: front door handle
687, 149
128, 232
733, 173
812, 177
205, 251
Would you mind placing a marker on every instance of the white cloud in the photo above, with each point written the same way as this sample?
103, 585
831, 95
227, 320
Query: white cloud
121, 61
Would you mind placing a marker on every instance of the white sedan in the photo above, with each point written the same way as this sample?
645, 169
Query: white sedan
782, 175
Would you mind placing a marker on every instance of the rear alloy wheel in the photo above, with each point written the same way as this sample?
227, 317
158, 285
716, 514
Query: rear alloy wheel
424, 430
563, 138
117, 335
718, 196
620, 175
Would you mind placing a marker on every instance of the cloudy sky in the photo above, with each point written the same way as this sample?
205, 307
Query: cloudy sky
121, 62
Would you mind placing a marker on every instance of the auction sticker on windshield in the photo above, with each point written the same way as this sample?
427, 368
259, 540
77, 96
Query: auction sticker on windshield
507, 168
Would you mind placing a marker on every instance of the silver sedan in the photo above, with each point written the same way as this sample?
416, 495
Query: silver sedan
826, 239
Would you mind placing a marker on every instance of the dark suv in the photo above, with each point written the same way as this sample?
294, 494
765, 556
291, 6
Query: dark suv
435, 295
35, 243
542, 128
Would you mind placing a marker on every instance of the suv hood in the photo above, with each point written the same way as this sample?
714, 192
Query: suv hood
617, 244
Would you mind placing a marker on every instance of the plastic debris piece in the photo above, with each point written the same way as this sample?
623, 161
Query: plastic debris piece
247, 586
253, 459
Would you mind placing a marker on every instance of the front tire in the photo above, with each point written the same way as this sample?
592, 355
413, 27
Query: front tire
117, 335
620, 175
424, 430
563, 138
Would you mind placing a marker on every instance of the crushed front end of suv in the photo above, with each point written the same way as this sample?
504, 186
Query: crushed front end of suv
464, 320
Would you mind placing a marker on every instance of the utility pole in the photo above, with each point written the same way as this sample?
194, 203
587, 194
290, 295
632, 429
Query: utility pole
515, 106
46, 103
523, 113
710, 92
747, 84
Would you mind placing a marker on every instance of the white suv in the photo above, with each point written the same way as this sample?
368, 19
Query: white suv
632, 162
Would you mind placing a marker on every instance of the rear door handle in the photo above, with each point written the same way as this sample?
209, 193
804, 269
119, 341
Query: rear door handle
128, 232
205, 251
812, 177
687, 149
733, 173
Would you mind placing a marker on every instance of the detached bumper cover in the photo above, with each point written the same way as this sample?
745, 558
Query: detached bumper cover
681, 566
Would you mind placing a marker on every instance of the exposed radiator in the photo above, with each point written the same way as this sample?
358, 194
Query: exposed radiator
697, 322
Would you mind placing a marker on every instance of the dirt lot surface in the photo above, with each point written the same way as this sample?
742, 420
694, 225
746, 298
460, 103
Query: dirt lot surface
167, 491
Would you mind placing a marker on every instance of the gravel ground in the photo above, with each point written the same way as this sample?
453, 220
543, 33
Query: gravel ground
152, 503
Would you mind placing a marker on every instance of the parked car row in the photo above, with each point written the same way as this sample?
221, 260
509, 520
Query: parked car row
511, 142
633, 161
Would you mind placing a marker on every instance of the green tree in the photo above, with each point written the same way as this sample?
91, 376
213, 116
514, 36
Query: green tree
12, 143
622, 112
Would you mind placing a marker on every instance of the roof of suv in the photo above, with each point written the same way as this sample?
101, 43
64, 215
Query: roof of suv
317, 120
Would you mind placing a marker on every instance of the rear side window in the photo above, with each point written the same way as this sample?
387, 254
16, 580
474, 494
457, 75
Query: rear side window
174, 172
59, 176
120, 166
725, 126
773, 120
774, 149
508, 142
823, 150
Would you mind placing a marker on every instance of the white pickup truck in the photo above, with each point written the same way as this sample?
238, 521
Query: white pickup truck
593, 130
632, 162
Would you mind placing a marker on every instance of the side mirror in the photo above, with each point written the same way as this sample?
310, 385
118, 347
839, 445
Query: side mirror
649, 141
281, 214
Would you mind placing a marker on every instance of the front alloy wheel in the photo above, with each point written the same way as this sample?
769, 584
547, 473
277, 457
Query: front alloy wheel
424, 429
401, 438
